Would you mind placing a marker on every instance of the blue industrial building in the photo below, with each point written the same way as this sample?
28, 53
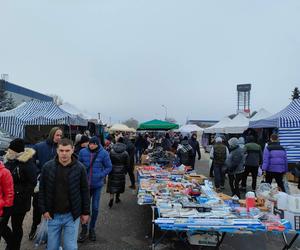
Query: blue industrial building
21, 94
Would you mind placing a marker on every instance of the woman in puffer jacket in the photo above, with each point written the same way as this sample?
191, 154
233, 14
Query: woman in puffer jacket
120, 164
275, 162
235, 165
19, 161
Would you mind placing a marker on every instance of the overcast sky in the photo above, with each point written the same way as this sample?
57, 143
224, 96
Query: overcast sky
125, 58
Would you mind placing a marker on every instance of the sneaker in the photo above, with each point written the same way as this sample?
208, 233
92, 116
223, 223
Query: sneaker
132, 186
83, 235
92, 235
32, 233
118, 200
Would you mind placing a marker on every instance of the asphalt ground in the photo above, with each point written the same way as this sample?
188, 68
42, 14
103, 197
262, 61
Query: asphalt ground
127, 226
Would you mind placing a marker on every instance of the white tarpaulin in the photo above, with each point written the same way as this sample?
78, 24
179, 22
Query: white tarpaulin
261, 114
218, 127
121, 128
189, 128
238, 125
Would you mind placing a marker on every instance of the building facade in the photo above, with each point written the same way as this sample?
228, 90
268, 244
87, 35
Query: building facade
21, 94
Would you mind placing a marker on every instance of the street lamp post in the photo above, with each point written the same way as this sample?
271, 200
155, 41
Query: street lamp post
166, 111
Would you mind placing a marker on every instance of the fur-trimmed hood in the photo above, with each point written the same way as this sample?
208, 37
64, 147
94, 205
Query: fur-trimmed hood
22, 157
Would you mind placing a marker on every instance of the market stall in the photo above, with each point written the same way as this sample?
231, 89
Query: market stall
186, 203
36, 113
288, 123
157, 125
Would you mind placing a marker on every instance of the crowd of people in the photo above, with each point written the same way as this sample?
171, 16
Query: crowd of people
238, 160
64, 181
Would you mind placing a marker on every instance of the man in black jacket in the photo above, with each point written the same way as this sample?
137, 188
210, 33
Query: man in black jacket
64, 196
196, 148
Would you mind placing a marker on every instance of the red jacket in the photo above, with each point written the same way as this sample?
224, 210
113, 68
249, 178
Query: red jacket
6, 188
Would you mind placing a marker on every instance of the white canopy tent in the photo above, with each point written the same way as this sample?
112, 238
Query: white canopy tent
218, 127
261, 114
121, 128
189, 128
238, 125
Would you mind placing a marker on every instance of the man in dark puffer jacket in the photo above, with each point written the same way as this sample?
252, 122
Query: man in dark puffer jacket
253, 160
64, 196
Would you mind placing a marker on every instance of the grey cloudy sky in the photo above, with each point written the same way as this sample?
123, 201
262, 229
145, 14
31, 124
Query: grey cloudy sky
125, 58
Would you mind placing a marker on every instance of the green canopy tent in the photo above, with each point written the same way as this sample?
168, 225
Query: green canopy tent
157, 125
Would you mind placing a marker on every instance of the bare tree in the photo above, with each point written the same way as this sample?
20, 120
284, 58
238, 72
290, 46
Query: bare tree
57, 99
295, 93
131, 123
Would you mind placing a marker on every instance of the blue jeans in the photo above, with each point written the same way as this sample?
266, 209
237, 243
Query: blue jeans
138, 154
66, 223
95, 196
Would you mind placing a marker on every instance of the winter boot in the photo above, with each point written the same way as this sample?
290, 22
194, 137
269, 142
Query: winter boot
92, 235
83, 235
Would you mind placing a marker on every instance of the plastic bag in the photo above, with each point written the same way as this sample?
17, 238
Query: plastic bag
42, 233
286, 185
260, 172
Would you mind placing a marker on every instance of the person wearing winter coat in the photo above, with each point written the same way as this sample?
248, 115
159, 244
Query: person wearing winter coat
19, 161
6, 203
185, 152
196, 148
44, 152
98, 165
166, 143
116, 178
275, 162
130, 150
253, 161
82, 143
219, 153
235, 165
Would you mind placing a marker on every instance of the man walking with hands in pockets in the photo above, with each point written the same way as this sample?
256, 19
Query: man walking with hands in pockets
64, 197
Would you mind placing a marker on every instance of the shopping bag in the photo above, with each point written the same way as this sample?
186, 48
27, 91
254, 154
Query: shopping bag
286, 185
260, 172
42, 233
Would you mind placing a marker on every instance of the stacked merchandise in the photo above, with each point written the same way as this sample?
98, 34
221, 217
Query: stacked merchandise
185, 204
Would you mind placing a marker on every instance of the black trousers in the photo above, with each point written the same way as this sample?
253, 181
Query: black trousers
130, 172
234, 182
254, 171
278, 178
5, 231
13, 237
36, 214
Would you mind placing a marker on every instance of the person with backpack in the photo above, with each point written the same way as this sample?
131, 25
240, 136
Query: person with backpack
219, 154
235, 165
275, 162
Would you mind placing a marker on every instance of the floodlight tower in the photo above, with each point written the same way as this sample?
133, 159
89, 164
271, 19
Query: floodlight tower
243, 98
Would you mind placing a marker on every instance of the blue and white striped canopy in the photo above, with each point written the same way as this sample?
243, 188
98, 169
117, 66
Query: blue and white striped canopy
289, 117
290, 140
36, 113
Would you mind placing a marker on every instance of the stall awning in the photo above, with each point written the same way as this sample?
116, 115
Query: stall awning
157, 125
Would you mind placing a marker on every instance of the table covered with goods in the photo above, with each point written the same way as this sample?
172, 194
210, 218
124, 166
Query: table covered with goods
186, 203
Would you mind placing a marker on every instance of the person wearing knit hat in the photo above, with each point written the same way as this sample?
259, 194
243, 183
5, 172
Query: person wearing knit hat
82, 143
98, 165
235, 165
17, 145
20, 161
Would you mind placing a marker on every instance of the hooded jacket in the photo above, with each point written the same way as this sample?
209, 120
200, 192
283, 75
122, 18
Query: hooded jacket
185, 153
6, 188
24, 173
120, 163
253, 154
275, 159
236, 160
100, 168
